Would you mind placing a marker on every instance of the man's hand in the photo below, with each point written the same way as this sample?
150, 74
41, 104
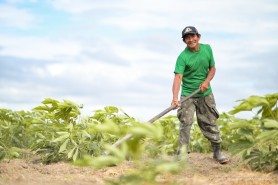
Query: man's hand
176, 103
204, 86
176, 89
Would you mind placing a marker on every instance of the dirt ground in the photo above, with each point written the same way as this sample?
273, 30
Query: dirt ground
203, 170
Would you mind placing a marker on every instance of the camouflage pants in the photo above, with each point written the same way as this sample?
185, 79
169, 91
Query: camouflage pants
206, 114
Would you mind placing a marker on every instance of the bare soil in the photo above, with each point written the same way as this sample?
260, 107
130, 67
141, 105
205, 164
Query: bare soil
202, 170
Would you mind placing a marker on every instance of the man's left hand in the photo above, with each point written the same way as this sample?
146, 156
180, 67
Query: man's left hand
204, 86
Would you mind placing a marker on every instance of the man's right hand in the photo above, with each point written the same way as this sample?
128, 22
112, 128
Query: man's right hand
176, 103
176, 89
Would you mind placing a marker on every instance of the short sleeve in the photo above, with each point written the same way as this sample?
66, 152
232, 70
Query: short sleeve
180, 65
211, 61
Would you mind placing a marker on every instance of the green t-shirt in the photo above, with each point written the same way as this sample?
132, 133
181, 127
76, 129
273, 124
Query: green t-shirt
194, 66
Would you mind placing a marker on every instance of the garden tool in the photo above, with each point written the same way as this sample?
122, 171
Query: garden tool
129, 136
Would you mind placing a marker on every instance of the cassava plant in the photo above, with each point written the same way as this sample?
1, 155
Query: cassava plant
60, 132
257, 139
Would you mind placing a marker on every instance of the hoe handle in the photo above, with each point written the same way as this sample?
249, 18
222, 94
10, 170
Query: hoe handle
128, 136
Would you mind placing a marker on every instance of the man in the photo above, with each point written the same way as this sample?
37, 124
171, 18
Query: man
195, 69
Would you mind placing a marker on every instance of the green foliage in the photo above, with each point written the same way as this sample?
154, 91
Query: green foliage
116, 156
56, 131
267, 106
15, 132
61, 134
148, 173
257, 139
168, 144
198, 142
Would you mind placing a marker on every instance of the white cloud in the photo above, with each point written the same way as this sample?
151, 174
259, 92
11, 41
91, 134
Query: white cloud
38, 47
233, 16
21, 1
17, 18
137, 21
137, 53
123, 53
82, 5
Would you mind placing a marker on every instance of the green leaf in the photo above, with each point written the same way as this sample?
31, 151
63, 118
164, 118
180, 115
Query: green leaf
75, 154
242, 124
70, 127
14, 154
104, 161
270, 123
70, 154
40, 135
50, 101
62, 133
249, 104
111, 109
73, 142
37, 121
85, 134
117, 152
240, 146
147, 130
62, 137
268, 135
109, 127
42, 108
167, 167
85, 161
63, 146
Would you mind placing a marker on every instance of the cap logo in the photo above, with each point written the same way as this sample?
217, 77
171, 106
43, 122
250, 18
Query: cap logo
187, 30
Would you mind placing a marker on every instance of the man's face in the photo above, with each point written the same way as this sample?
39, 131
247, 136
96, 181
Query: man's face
192, 40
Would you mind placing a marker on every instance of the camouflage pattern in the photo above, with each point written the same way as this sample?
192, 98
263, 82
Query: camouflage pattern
207, 115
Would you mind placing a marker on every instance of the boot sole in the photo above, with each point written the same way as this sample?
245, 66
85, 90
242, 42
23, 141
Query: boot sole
222, 162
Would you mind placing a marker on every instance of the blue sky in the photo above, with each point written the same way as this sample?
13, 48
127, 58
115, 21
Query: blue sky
123, 53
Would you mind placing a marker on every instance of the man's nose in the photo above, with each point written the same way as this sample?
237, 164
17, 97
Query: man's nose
190, 38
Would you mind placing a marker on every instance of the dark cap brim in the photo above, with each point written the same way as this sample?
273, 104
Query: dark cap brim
190, 33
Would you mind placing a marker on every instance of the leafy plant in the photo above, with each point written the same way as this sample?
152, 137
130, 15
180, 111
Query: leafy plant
15, 132
61, 134
148, 173
257, 139
56, 131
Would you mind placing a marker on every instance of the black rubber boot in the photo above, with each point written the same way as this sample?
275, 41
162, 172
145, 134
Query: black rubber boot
217, 155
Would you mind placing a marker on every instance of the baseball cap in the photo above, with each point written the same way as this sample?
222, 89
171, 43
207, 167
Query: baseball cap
189, 30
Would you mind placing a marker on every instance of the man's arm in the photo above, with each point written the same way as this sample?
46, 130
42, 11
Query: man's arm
204, 86
176, 89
